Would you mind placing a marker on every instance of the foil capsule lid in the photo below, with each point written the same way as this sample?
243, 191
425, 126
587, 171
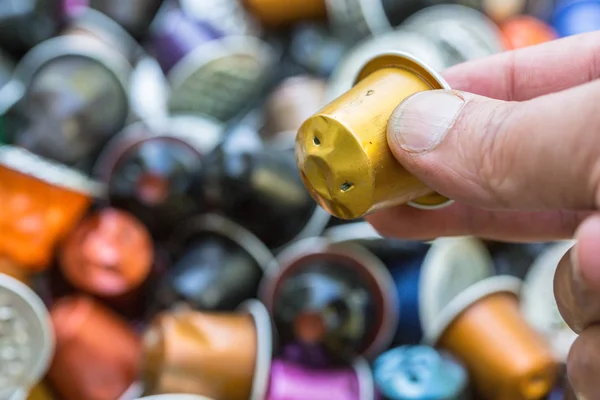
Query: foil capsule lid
27, 342
76, 46
538, 303
217, 77
357, 18
228, 15
52, 173
456, 273
306, 250
462, 31
107, 30
342, 78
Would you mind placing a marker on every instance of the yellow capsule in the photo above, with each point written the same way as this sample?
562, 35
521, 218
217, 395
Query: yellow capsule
342, 151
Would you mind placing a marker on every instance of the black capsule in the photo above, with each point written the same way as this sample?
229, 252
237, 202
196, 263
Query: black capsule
324, 304
262, 191
152, 180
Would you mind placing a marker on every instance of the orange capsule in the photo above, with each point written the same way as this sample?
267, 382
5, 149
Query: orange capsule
97, 354
523, 31
276, 13
41, 202
109, 254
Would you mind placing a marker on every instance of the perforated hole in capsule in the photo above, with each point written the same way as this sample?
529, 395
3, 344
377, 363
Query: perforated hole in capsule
346, 186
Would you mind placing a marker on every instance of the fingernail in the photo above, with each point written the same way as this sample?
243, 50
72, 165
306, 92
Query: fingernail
421, 122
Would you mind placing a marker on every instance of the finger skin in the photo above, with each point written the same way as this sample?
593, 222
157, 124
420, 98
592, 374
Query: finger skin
531, 72
577, 279
535, 155
583, 364
458, 220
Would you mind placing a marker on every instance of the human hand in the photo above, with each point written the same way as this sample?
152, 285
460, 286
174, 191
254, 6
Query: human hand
519, 152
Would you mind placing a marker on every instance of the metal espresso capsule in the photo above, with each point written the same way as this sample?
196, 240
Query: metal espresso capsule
335, 298
261, 190
27, 343
474, 314
420, 373
73, 97
523, 31
572, 17
229, 15
108, 254
342, 151
133, 15
209, 72
465, 33
97, 354
219, 355
219, 265
274, 13
291, 381
149, 169
51, 197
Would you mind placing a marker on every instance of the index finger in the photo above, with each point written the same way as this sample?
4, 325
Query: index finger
531, 72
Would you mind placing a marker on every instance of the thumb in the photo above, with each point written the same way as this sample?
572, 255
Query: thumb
539, 154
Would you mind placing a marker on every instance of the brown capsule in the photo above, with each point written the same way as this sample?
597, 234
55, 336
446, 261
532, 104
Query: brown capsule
219, 355
97, 354
294, 100
506, 357
276, 13
110, 253
41, 202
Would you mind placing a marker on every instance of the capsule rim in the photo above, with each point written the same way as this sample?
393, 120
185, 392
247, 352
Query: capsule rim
47, 345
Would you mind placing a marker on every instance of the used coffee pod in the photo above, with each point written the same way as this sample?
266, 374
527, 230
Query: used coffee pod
229, 16
538, 303
357, 19
57, 116
175, 397
342, 151
420, 373
25, 24
27, 343
463, 31
133, 15
97, 353
209, 73
542, 9
220, 265
475, 315
276, 14
572, 17
291, 381
49, 196
313, 47
513, 259
524, 31
220, 355
335, 296
109, 254
344, 75
261, 190
150, 173
294, 100
500, 10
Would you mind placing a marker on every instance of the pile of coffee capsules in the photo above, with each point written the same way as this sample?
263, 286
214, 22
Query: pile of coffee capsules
176, 222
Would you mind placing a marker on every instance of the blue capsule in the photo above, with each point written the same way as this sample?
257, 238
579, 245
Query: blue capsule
572, 17
419, 373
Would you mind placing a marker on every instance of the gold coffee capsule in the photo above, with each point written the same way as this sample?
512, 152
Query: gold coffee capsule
342, 151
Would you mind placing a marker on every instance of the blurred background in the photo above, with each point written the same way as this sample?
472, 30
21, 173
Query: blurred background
156, 237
